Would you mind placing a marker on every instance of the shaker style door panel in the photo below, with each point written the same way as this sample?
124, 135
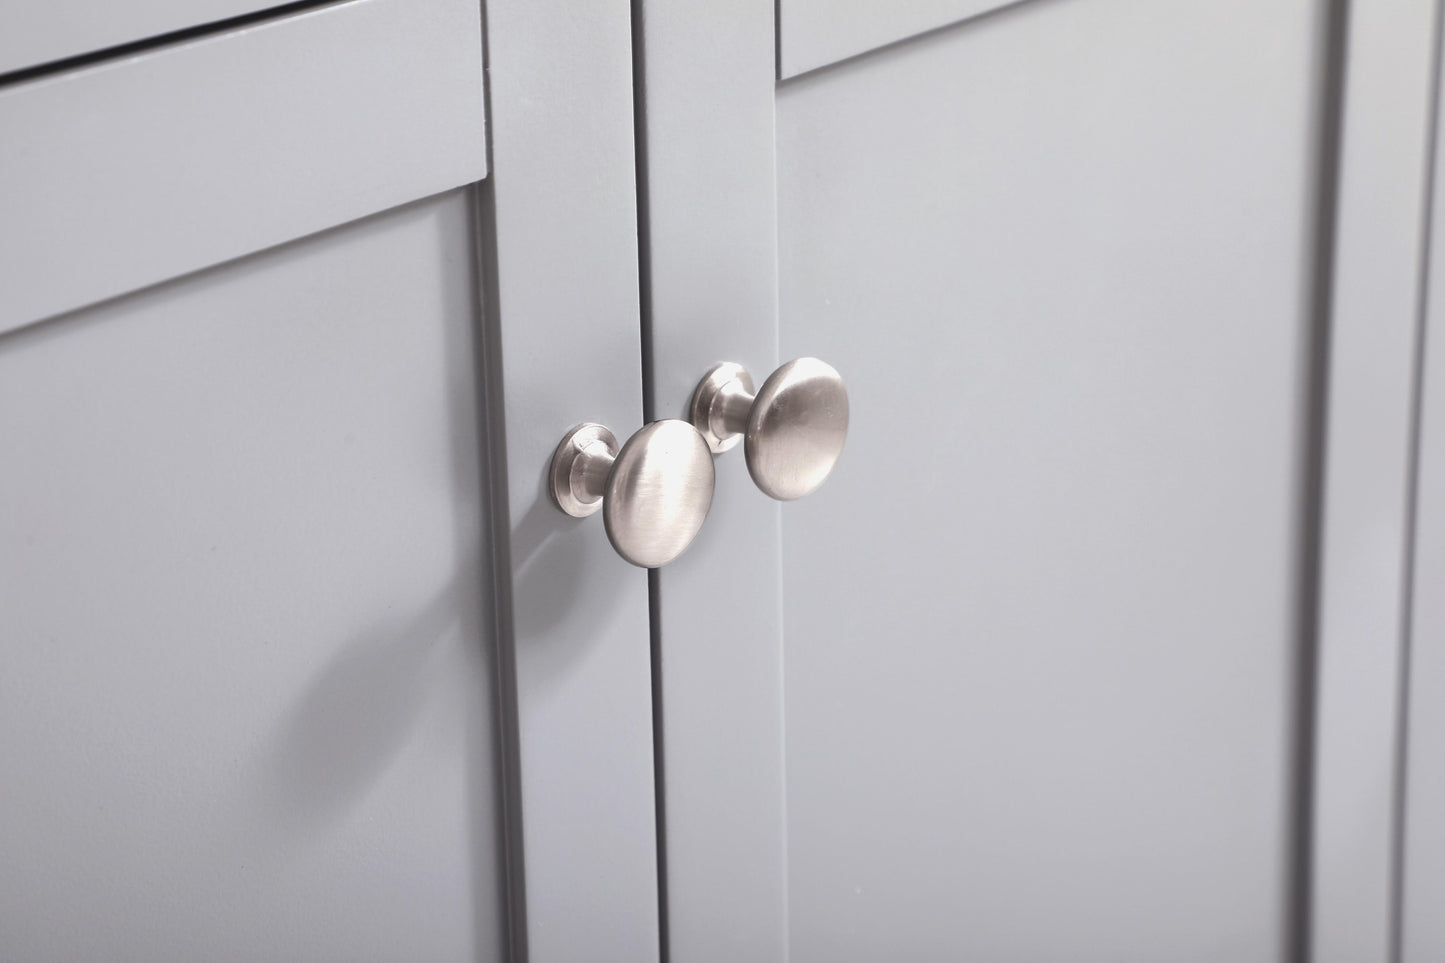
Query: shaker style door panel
1041, 625
132, 171
246, 682
1031, 655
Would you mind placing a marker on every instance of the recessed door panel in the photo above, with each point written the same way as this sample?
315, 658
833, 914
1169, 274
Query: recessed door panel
1039, 626
246, 669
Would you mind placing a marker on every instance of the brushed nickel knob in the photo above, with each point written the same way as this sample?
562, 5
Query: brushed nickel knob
654, 493
793, 429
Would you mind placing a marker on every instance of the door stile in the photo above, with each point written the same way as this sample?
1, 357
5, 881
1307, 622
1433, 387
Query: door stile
559, 223
705, 127
1374, 282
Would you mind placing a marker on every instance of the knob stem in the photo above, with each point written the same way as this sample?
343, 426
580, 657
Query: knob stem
720, 405
589, 470
729, 415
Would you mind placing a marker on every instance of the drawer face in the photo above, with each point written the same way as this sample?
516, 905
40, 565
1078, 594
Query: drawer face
245, 699
43, 31
132, 172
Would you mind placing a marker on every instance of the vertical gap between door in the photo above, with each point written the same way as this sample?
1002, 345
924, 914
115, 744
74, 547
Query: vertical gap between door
498, 534
659, 794
1407, 587
654, 604
777, 41
498, 570
1303, 715
644, 233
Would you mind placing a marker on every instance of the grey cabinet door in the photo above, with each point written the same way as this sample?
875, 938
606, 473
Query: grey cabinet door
296, 661
1030, 677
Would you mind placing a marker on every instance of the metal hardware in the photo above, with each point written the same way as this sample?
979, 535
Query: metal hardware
654, 494
793, 429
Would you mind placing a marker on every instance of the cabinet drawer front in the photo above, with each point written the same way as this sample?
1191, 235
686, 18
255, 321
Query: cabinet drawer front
134, 171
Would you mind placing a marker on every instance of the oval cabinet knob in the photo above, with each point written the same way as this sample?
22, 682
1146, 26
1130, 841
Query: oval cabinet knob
654, 493
792, 429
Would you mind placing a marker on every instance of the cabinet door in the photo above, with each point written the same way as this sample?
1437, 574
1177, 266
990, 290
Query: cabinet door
1029, 677
296, 661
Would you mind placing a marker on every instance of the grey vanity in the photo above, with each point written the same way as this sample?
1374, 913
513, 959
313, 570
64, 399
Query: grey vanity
1115, 632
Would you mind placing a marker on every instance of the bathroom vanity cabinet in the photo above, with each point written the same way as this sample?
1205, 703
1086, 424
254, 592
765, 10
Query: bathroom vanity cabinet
1112, 635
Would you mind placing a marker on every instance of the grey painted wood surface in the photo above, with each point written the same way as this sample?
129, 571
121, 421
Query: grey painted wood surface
134, 171
1379, 248
710, 235
1422, 926
245, 668
565, 340
815, 33
1041, 624
40, 31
